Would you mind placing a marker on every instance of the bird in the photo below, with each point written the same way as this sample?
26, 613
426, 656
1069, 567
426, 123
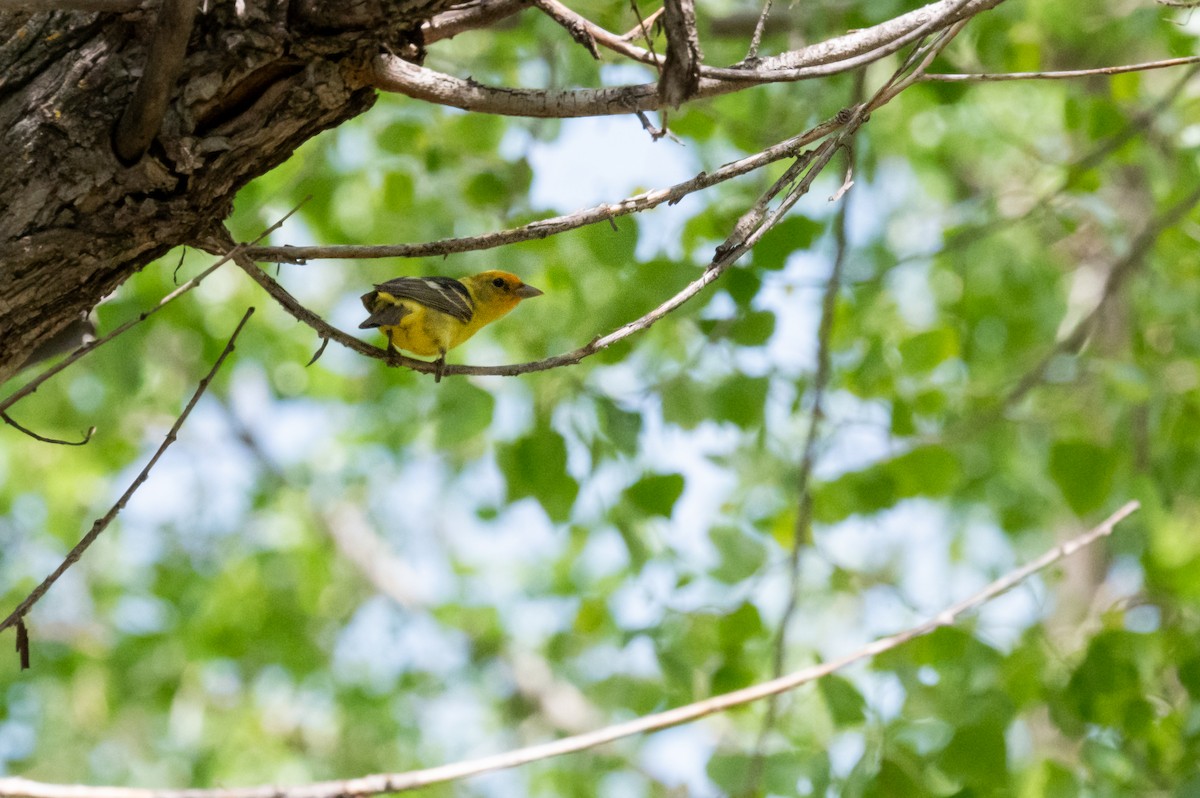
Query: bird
431, 315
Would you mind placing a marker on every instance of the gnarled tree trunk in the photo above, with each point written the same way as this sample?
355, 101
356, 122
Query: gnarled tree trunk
255, 83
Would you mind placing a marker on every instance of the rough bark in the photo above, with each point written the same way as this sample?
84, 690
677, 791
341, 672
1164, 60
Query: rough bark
257, 81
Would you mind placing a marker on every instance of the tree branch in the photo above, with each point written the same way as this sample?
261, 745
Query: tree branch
739, 242
846, 53
557, 224
18, 614
399, 782
988, 77
468, 17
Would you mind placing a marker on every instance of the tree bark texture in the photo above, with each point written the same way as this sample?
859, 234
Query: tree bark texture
259, 78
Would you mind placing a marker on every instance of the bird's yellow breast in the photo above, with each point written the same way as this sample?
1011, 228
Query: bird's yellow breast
424, 331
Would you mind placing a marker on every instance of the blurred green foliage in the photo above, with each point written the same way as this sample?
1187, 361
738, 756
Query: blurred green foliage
624, 526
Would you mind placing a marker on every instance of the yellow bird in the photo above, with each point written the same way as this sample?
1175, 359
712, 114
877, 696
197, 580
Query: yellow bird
431, 315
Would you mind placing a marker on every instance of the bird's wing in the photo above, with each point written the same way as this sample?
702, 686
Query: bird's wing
383, 314
443, 294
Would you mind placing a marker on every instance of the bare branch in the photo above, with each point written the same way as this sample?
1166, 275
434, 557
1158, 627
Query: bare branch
87, 436
934, 16
843, 54
468, 17
556, 224
740, 241
416, 779
16, 616
164, 62
32, 386
987, 77
759, 28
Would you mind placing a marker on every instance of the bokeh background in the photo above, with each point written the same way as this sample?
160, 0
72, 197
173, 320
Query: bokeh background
345, 568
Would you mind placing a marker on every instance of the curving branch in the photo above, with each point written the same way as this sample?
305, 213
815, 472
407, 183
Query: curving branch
468, 17
843, 54
544, 228
753, 225
380, 783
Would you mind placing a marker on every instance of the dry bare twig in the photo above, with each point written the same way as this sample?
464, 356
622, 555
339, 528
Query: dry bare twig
400, 782
466, 17
740, 241
842, 54
17, 615
992, 77
544, 228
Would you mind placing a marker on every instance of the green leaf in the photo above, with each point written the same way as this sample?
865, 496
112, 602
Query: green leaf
487, 188
977, 755
792, 234
925, 471
740, 399
464, 412
925, 350
741, 555
846, 705
1083, 473
753, 328
620, 426
536, 466
656, 494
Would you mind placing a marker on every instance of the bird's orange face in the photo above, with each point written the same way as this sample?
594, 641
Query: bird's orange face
500, 290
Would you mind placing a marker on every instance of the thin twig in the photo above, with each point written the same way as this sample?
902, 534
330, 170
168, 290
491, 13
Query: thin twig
984, 77
458, 20
802, 529
557, 224
87, 436
759, 27
32, 386
642, 29
411, 780
102, 523
164, 62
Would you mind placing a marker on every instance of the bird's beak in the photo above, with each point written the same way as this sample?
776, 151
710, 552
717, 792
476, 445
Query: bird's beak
527, 292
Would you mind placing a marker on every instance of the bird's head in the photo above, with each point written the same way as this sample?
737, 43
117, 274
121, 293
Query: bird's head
497, 292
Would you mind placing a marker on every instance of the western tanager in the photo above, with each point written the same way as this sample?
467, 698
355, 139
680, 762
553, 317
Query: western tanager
432, 315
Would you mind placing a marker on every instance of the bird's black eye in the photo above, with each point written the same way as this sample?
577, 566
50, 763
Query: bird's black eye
498, 282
